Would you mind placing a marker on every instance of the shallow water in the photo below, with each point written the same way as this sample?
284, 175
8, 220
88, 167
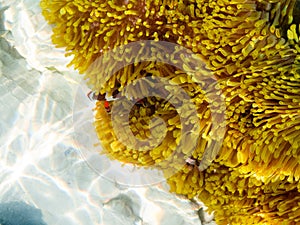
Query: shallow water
41, 161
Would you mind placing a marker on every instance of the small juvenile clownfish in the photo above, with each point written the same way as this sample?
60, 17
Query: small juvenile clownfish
100, 97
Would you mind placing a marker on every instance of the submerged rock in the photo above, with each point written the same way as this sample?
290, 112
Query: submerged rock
19, 213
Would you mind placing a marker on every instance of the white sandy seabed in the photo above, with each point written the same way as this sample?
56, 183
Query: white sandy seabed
40, 162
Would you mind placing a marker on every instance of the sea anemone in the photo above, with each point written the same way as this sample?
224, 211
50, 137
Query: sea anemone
250, 48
